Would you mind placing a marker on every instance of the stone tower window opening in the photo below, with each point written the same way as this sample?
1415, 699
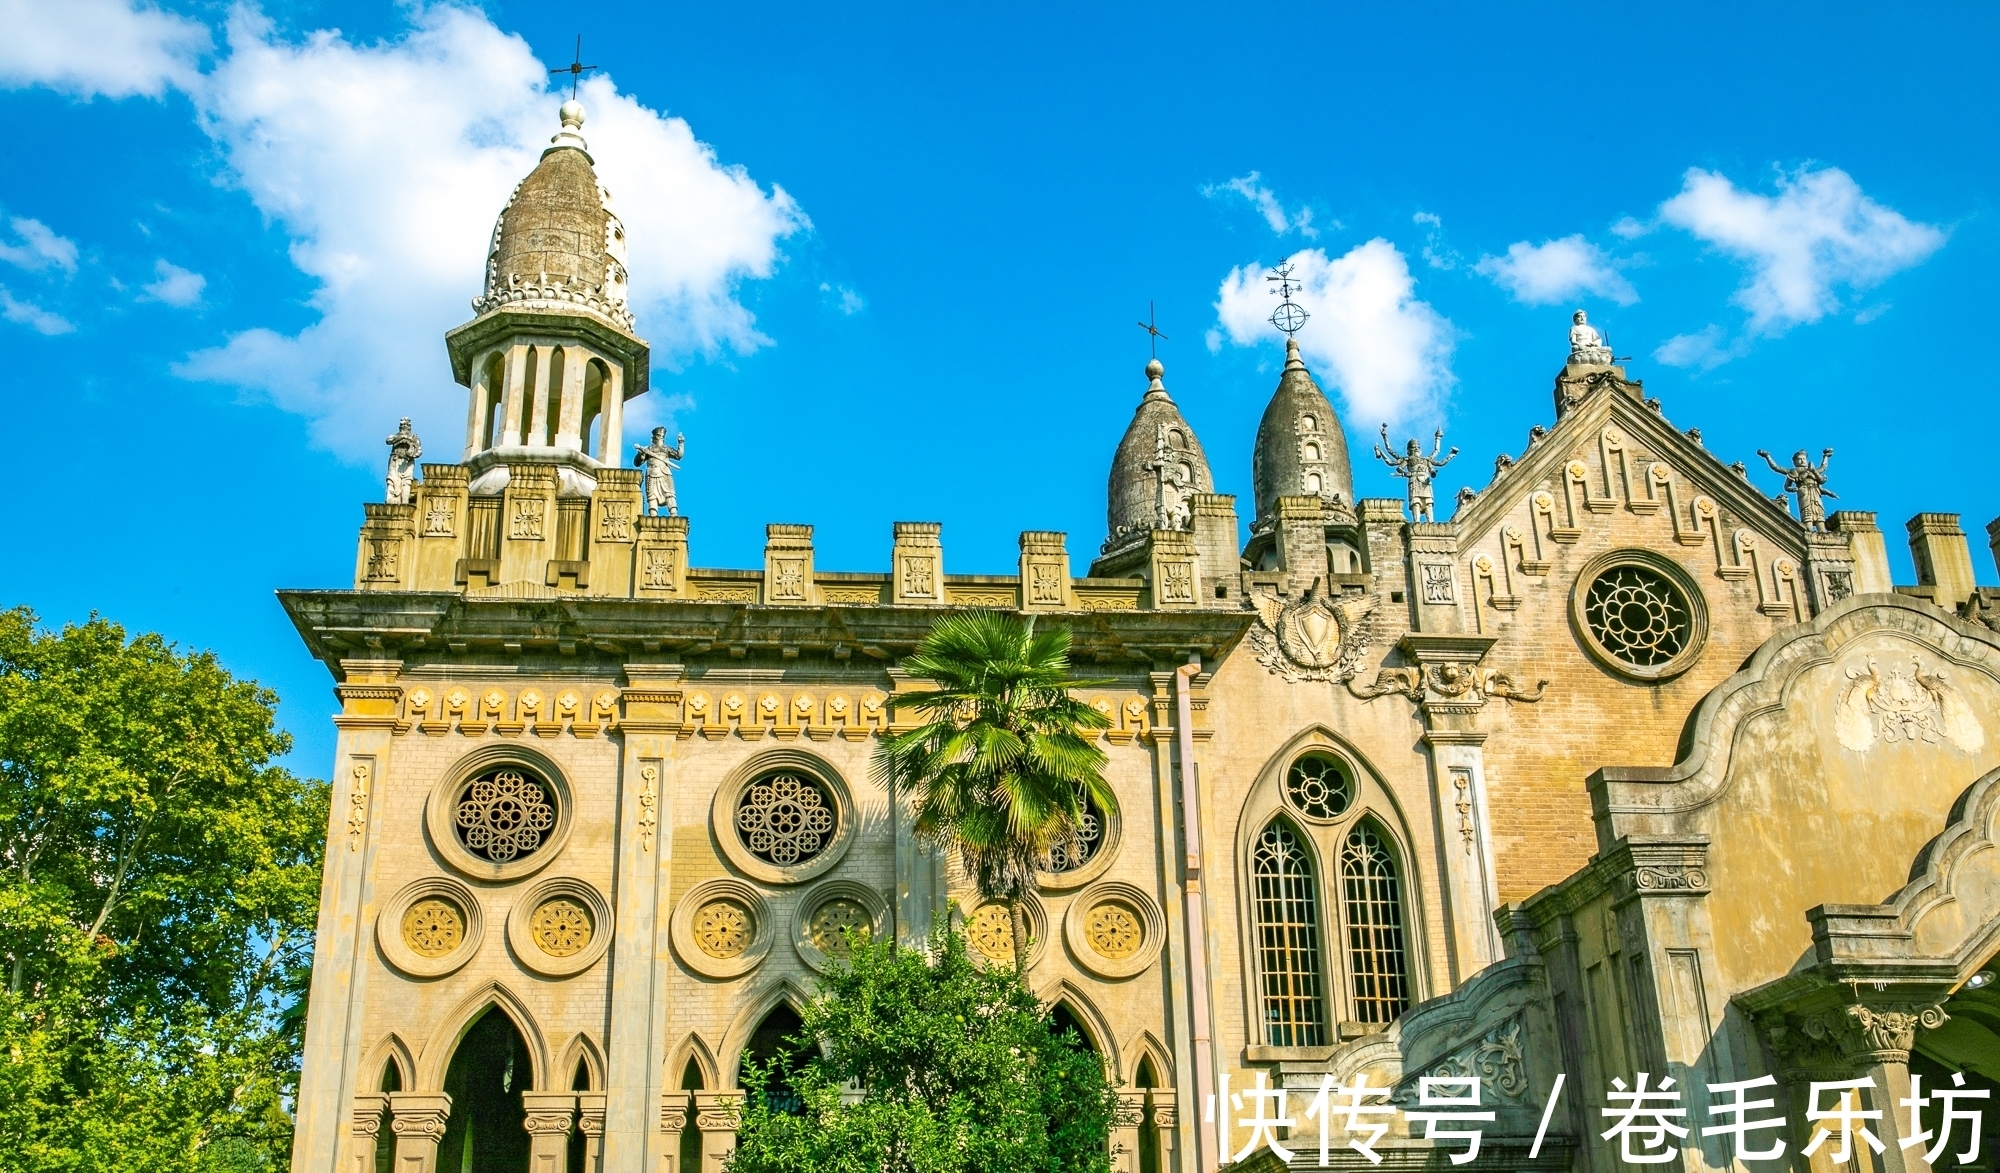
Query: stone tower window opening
1377, 951
1320, 786
1288, 939
1312, 452
551, 424
785, 818
504, 814
491, 387
596, 377
532, 359
1312, 484
1638, 616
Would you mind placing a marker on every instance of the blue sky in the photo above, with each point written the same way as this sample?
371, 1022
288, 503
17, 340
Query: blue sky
891, 257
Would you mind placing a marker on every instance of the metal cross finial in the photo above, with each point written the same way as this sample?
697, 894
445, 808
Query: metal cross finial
1149, 326
576, 68
1289, 316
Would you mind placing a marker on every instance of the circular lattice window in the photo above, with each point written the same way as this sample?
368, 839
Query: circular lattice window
1082, 847
785, 818
1320, 786
505, 814
1639, 614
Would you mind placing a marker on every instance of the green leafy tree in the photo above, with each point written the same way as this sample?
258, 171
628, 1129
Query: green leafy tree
1006, 757
159, 879
924, 1062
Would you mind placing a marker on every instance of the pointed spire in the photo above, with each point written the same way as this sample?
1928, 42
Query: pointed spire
572, 123
1292, 360
1154, 372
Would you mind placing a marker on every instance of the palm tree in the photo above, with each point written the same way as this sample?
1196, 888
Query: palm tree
1006, 759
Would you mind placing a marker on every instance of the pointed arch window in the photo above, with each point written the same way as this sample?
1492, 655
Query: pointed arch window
1376, 947
1288, 944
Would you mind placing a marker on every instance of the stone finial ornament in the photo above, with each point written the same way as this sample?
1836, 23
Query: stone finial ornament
1807, 483
657, 459
404, 452
1418, 469
1586, 345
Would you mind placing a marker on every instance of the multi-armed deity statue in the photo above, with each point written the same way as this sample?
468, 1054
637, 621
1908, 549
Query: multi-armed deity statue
657, 459
1418, 469
404, 452
1807, 483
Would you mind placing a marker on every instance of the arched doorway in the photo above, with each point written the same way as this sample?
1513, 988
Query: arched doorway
1149, 1137
1063, 1020
487, 1130
771, 1042
690, 1135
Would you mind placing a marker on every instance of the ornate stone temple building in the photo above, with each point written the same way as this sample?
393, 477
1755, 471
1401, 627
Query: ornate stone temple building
1622, 767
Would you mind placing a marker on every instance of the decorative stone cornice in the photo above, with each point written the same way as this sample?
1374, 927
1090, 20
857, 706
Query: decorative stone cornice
1835, 1041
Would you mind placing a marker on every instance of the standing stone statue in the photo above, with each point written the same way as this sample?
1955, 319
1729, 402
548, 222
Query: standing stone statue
1418, 469
404, 451
658, 461
1586, 345
1806, 483
1172, 482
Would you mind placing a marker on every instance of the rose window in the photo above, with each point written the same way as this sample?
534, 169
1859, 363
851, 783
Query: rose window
1638, 616
561, 928
433, 927
1113, 931
832, 921
722, 929
785, 819
991, 931
1081, 848
504, 814
1319, 786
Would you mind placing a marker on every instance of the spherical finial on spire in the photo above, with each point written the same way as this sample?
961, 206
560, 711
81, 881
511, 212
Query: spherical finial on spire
1154, 370
572, 115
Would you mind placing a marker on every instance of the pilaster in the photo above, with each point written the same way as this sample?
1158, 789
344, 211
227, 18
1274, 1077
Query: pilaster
1301, 542
916, 565
673, 1122
1659, 891
614, 531
1045, 582
717, 1115
1830, 569
527, 522
590, 1122
660, 559
550, 1115
1164, 1118
1433, 582
1943, 558
439, 525
386, 558
1172, 570
369, 1111
1449, 687
569, 414
638, 1017
1126, 1121
788, 566
1218, 557
418, 1121
513, 406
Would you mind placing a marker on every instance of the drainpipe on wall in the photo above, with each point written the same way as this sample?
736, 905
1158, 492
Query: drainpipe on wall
1197, 924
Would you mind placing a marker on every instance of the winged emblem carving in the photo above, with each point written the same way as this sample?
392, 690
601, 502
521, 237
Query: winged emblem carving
1904, 705
1318, 637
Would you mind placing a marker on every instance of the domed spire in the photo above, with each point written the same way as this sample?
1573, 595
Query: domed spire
1158, 466
1301, 449
558, 245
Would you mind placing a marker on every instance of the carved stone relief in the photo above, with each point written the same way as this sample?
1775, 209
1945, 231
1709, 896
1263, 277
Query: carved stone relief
1317, 638
1904, 705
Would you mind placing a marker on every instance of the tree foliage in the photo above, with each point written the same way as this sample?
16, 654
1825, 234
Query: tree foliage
159, 879
1006, 757
949, 1068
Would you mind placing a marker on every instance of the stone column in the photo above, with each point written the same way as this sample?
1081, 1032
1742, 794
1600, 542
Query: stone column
527, 522
439, 522
543, 357
611, 446
1433, 583
569, 413
1943, 558
717, 1114
1045, 582
1126, 1120
590, 1122
368, 1112
637, 1037
916, 565
516, 377
1171, 570
660, 561
673, 1122
550, 1117
418, 1123
481, 393
1164, 1119
614, 527
1452, 690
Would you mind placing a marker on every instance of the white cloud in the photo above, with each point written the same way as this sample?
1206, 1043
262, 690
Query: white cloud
1262, 198
1388, 353
176, 287
32, 316
1556, 271
1705, 349
89, 47
1435, 253
848, 301
39, 248
1818, 234
386, 165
